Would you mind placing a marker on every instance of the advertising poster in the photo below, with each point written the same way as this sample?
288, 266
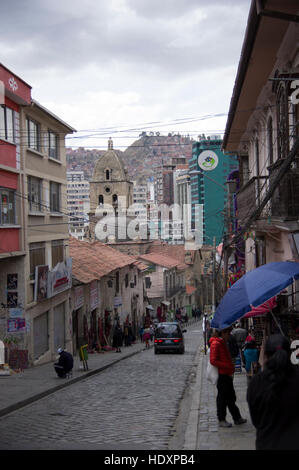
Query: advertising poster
41, 283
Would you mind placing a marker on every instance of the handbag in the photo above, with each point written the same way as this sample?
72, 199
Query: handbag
212, 371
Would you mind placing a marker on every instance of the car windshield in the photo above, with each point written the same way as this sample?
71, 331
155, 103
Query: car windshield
168, 331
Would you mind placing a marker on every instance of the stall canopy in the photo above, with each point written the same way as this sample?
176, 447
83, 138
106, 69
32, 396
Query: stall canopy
165, 302
252, 290
261, 309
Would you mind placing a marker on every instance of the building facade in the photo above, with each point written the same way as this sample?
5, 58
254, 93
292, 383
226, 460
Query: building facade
209, 171
36, 303
111, 194
262, 130
78, 204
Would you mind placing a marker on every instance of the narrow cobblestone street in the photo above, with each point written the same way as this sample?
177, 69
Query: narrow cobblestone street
131, 405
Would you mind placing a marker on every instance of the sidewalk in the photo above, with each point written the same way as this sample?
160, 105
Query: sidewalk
22, 388
203, 432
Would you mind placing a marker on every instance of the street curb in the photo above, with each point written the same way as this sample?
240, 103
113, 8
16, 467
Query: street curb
38, 396
191, 434
86, 374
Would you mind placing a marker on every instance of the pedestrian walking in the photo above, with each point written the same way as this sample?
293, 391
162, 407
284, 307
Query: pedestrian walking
272, 397
233, 348
141, 331
117, 337
251, 355
147, 337
127, 335
240, 335
226, 397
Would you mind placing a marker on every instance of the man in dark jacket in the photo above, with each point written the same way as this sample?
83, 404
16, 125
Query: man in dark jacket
65, 363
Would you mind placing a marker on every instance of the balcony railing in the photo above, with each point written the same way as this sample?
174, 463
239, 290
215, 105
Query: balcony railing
285, 200
170, 292
249, 197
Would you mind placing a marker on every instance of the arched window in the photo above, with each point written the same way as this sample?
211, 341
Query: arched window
107, 174
101, 199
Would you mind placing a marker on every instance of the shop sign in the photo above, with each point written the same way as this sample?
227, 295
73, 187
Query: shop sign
16, 324
78, 297
117, 301
94, 295
15, 312
41, 283
60, 278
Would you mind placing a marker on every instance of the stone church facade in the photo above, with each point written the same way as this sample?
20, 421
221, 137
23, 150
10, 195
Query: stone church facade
111, 194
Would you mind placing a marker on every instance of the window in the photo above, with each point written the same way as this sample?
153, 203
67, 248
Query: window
57, 252
33, 135
7, 207
35, 194
53, 145
126, 280
117, 282
37, 257
270, 140
54, 197
7, 128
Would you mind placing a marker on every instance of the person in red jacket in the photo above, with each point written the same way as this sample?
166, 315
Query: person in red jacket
226, 397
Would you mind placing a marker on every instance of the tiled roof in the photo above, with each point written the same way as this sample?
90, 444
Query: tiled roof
177, 252
93, 260
163, 260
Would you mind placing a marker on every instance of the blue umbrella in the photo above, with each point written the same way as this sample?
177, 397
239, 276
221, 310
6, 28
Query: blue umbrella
254, 288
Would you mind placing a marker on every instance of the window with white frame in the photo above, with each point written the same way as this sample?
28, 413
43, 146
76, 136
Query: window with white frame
35, 194
53, 145
55, 196
7, 127
33, 134
7, 206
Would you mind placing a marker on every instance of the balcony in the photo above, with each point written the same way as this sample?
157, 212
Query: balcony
8, 154
285, 200
249, 197
170, 292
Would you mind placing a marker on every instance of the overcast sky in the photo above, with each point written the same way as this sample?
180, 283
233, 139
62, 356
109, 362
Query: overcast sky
118, 67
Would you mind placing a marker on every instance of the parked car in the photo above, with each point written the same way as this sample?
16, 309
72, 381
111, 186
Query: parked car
169, 336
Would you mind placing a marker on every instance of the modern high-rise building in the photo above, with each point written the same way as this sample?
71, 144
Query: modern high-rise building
209, 171
78, 203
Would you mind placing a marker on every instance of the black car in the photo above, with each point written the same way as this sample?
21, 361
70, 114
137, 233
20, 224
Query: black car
169, 337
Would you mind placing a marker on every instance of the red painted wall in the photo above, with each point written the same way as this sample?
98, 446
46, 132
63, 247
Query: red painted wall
8, 154
15, 85
8, 180
9, 239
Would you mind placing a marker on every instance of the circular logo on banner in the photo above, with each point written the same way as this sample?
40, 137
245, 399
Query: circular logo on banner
208, 160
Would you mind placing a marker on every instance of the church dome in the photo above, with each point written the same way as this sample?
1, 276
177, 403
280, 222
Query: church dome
109, 166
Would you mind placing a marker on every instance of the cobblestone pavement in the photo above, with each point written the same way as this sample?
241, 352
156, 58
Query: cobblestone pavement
131, 405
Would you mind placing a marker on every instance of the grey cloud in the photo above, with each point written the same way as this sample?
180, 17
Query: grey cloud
69, 35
